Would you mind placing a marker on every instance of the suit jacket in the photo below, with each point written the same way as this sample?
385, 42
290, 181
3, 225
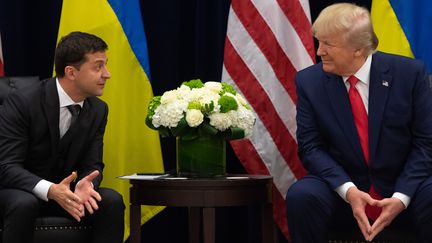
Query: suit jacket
30, 145
400, 127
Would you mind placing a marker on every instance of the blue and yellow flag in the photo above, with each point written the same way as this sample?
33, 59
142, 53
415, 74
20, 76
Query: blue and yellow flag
129, 146
403, 27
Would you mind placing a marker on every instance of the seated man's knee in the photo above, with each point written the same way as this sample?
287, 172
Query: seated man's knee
299, 193
307, 194
111, 198
24, 203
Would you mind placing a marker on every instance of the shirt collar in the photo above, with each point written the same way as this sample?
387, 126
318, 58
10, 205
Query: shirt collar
363, 74
64, 98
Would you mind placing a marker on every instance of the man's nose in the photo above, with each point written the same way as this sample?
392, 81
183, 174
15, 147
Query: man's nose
106, 74
321, 50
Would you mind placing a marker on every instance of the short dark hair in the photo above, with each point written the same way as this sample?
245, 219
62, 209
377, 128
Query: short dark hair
72, 48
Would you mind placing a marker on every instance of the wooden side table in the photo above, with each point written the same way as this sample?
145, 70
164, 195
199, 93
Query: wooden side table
201, 196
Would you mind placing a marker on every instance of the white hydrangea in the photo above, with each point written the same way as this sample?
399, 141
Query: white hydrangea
207, 96
245, 119
194, 117
221, 121
170, 114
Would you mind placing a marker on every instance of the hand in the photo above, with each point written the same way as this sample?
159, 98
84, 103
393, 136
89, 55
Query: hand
391, 207
358, 201
62, 194
84, 190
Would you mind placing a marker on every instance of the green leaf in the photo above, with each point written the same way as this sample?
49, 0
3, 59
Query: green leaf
180, 129
164, 132
191, 135
206, 128
207, 108
149, 123
234, 133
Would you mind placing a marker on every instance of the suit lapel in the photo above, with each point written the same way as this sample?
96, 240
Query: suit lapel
339, 100
380, 84
52, 111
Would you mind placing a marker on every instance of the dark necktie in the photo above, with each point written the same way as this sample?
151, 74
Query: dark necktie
361, 122
74, 110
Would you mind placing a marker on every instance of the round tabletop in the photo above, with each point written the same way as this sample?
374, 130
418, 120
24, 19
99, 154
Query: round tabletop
231, 190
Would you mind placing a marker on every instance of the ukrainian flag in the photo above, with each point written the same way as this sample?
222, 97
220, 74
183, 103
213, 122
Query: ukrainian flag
403, 27
129, 146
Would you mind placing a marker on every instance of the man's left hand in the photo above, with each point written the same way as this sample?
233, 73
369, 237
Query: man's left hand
391, 207
84, 190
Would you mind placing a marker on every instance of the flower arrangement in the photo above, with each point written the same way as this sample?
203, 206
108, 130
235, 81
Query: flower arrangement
197, 108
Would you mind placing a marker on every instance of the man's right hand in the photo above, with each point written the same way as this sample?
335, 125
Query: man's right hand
62, 194
358, 201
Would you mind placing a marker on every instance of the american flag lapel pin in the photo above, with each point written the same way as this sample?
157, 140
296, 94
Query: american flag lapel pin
385, 83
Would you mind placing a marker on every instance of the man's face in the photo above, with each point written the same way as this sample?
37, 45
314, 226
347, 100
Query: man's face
91, 77
336, 55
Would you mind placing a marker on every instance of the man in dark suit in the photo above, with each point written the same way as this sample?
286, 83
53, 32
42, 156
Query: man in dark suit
364, 131
51, 154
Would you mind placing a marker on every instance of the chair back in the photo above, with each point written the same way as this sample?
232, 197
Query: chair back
9, 84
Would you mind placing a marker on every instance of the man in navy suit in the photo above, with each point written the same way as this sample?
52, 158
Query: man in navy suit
373, 172
51, 154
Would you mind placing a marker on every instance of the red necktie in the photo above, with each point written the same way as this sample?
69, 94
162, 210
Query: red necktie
361, 122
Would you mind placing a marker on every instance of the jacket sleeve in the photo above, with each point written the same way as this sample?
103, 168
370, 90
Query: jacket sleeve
14, 142
311, 145
418, 165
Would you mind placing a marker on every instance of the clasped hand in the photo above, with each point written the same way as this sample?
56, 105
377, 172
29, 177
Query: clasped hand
391, 207
74, 202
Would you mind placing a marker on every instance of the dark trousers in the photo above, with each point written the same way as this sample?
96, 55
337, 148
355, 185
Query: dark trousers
20, 209
313, 209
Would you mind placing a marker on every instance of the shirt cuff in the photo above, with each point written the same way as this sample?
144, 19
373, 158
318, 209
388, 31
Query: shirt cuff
343, 189
41, 189
404, 198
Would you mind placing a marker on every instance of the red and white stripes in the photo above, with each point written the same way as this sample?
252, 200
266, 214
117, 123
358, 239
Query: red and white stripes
267, 42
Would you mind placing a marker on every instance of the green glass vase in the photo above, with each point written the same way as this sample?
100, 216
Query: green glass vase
203, 156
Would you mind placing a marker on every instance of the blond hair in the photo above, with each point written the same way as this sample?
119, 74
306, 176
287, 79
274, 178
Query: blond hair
352, 21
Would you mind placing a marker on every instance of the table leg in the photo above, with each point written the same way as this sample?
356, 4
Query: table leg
194, 224
267, 224
135, 223
209, 225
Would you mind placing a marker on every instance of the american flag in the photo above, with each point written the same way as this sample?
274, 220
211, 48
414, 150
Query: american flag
267, 42
1, 59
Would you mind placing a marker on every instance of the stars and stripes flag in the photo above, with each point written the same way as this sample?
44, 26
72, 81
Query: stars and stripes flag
1, 59
267, 42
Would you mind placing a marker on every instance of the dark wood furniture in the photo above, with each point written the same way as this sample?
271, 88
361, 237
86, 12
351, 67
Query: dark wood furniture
202, 196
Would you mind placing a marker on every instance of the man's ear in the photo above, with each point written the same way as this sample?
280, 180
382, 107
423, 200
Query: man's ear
70, 72
359, 52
